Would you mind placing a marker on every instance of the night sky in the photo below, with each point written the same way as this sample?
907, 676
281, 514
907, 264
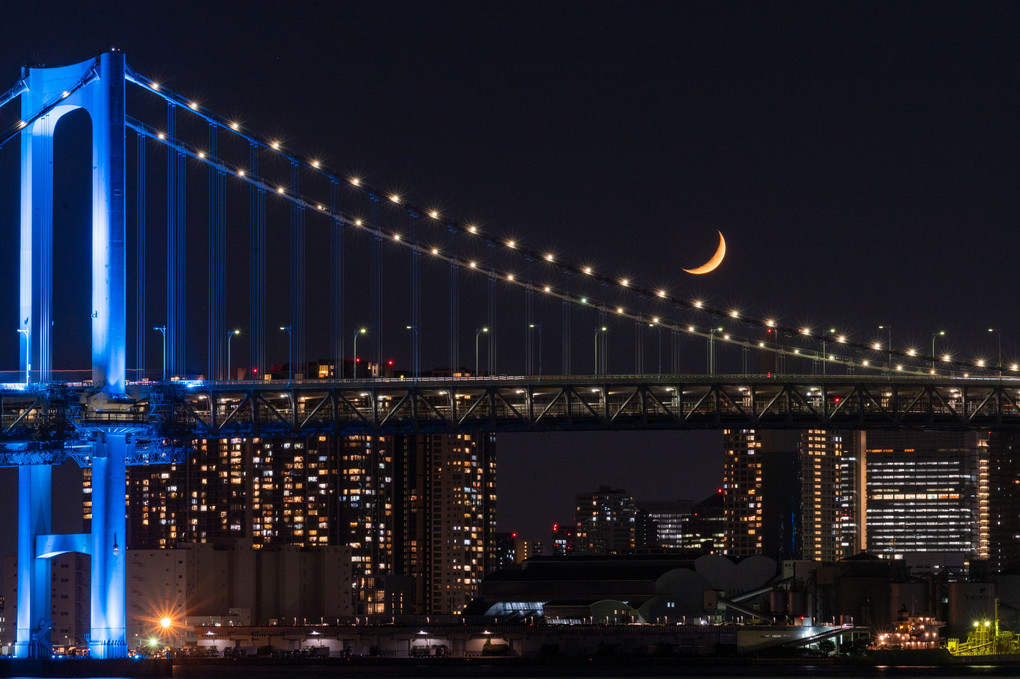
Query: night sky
861, 159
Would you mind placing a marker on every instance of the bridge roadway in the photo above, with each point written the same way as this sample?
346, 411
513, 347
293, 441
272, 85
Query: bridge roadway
48, 423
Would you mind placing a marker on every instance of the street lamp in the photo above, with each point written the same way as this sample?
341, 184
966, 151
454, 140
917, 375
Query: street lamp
290, 353
354, 370
28, 352
230, 336
711, 349
414, 350
888, 347
999, 337
939, 333
478, 332
162, 331
602, 329
538, 326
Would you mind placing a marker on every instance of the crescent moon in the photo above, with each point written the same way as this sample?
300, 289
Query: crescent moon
716, 260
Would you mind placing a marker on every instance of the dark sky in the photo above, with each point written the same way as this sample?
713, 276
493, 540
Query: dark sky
860, 158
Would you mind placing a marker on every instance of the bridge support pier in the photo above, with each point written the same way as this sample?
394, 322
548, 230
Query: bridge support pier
105, 544
34, 520
109, 587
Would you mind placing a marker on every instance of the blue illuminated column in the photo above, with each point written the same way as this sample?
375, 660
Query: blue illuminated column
109, 609
98, 87
34, 519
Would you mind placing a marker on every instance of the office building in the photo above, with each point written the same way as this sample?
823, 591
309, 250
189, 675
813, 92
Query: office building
927, 492
609, 522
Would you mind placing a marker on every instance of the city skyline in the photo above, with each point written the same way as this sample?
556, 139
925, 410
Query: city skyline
849, 137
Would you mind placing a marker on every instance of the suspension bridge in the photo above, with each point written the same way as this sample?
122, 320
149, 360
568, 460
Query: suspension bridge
204, 233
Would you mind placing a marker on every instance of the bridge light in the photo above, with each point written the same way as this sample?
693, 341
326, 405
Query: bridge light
761, 344
726, 337
275, 145
770, 323
201, 154
65, 94
624, 282
796, 351
981, 363
946, 358
355, 181
161, 135
587, 269
396, 236
655, 319
509, 276
395, 198
279, 189
619, 309
697, 302
841, 339
472, 265
547, 289
662, 293
435, 251
584, 300
911, 352
549, 257
690, 328
234, 125
877, 346
1014, 367
319, 207
864, 362
472, 229
899, 367
240, 173
193, 105
357, 222
155, 86
315, 164
434, 214
832, 357
735, 314
511, 244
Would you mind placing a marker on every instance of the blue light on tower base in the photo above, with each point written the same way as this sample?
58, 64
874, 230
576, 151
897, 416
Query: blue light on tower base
97, 86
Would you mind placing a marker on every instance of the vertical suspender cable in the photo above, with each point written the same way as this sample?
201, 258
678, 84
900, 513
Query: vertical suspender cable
297, 274
336, 287
493, 316
416, 328
176, 239
140, 327
257, 271
529, 318
375, 284
566, 327
454, 305
217, 263
639, 346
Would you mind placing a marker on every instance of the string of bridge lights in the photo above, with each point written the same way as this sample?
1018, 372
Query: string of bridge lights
586, 271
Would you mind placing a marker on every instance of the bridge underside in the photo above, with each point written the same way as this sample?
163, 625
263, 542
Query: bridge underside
45, 424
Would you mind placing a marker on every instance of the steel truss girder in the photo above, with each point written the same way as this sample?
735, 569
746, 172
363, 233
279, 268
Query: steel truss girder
46, 424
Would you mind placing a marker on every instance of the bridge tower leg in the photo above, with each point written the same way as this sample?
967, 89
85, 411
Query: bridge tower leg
34, 519
98, 86
109, 587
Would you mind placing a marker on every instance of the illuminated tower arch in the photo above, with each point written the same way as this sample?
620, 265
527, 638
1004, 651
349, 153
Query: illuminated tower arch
97, 86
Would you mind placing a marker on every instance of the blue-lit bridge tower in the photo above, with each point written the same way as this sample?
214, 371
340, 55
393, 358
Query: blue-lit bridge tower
97, 86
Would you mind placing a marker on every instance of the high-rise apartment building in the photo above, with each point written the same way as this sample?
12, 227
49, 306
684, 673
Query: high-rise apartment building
1004, 501
415, 511
609, 522
927, 492
783, 493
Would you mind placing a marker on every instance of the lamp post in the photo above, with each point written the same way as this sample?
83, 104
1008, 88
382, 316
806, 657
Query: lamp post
538, 326
602, 330
290, 353
28, 352
354, 363
999, 337
414, 350
938, 333
230, 336
711, 349
888, 347
162, 331
478, 332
